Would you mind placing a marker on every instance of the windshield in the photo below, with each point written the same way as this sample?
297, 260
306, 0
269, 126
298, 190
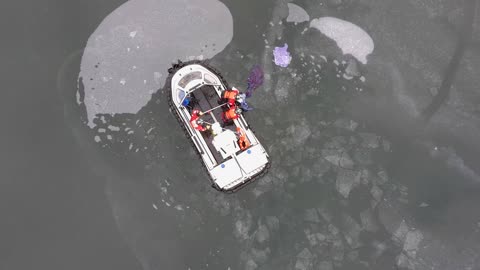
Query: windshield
181, 94
196, 75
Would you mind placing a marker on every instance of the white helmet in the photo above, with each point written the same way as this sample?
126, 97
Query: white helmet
216, 128
238, 110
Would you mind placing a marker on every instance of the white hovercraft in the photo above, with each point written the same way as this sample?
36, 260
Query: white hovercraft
229, 165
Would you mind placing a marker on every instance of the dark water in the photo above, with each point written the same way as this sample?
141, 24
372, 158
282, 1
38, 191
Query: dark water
54, 211
98, 175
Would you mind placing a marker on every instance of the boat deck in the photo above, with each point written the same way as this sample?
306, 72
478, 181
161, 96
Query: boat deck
206, 98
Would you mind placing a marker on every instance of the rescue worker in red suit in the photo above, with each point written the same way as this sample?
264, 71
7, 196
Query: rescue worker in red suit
196, 122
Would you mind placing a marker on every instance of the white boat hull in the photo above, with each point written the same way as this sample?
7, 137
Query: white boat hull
227, 171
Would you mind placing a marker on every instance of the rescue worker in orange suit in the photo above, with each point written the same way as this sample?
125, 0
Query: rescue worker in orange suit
196, 122
231, 114
230, 96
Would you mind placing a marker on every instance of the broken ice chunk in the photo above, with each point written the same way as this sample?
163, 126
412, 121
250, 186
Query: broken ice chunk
343, 123
265, 184
337, 250
300, 133
352, 231
346, 181
242, 226
410, 248
311, 237
352, 255
262, 233
370, 140
113, 128
352, 69
325, 265
339, 158
368, 221
320, 167
327, 216
260, 256
401, 232
412, 241
272, 222
363, 156
251, 265
386, 145
311, 215
377, 195
333, 230
383, 177
314, 238
304, 260
423, 204
404, 262
379, 249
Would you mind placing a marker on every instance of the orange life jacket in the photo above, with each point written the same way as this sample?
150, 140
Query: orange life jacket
231, 114
230, 94
243, 142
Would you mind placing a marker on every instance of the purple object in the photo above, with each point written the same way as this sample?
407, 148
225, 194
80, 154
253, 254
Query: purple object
282, 56
245, 106
255, 80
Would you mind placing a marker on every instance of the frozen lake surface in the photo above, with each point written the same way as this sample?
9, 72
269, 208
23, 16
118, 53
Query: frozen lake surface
372, 128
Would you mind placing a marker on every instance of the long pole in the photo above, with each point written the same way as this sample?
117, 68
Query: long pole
207, 111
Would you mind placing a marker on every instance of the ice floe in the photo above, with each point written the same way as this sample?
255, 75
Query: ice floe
351, 231
346, 181
108, 52
243, 225
273, 223
311, 215
297, 14
350, 38
304, 260
262, 234
346, 124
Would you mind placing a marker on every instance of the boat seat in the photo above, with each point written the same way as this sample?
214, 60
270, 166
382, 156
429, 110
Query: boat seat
226, 143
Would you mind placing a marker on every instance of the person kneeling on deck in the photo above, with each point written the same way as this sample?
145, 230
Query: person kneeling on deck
231, 114
230, 96
198, 123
